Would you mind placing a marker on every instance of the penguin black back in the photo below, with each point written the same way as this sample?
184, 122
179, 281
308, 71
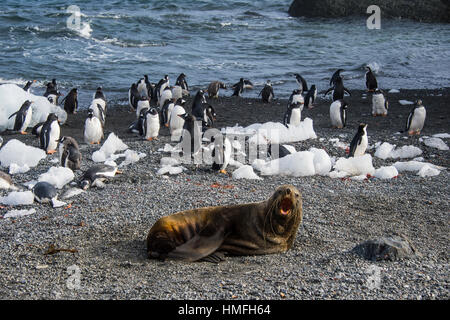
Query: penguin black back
71, 101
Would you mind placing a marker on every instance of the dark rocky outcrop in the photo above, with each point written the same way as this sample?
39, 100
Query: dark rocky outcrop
386, 248
420, 10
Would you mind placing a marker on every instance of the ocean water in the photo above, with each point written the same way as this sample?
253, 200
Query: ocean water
117, 42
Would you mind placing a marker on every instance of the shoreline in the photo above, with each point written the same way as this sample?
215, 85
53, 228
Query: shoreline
108, 226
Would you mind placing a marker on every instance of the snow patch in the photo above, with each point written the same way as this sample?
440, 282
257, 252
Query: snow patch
20, 154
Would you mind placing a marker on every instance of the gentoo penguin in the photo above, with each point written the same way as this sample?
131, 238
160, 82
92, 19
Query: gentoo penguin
49, 134
133, 96
93, 130
6, 181
247, 84
161, 86
166, 94
282, 151
44, 192
197, 105
301, 82
238, 88
379, 104
310, 97
142, 104
99, 94
294, 110
214, 87
338, 89
416, 118
335, 76
338, 114
142, 87
151, 124
209, 116
23, 117
37, 129
150, 88
28, 86
96, 175
371, 81
181, 81
51, 93
71, 101
138, 125
221, 153
359, 143
167, 109
267, 92
69, 153
98, 108
192, 133
176, 122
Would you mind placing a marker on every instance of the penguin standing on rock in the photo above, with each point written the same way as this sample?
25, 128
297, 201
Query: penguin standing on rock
416, 119
176, 121
49, 134
71, 101
151, 124
133, 97
181, 81
142, 104
69, 152
239, 88
166, 94
192, 131
197, 105
267, 92
371, 80
93, 130
360, 142
51, 93
338, 114
335, 76
23, 117
294, 110
209, 117
221, 154
379, 104
161, 86
99, 94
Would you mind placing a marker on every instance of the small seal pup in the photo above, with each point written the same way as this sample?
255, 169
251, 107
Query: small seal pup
264, 227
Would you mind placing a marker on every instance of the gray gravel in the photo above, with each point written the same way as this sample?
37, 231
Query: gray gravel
108, 227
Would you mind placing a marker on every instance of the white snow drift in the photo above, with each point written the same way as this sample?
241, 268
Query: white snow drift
20, 154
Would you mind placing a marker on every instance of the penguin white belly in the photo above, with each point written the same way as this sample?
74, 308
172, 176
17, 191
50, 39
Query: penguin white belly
296, 117
54, 136
335, 114
27, 120
153, 126
362, 147
142, 105
226, 153
166, 95
418, 119
142, 89
93, 131
169, 112
298, 98
378, 105
176, 123
177, 93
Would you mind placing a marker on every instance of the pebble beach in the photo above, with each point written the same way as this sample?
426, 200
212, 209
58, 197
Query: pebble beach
95, 248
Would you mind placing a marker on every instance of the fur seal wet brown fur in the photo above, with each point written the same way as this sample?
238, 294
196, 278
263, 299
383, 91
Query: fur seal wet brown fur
245, 229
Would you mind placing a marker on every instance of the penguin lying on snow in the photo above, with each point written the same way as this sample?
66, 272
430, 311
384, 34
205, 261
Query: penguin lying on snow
360, 142
69, 153
267, 92
95, 176
44, 192
23, 117
49, 134
416, 119
338, 114
28, 86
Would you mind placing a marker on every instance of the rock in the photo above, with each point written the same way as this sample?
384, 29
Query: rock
386, 248
421, 10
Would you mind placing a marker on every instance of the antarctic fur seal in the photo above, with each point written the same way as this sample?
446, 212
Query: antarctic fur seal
264, 227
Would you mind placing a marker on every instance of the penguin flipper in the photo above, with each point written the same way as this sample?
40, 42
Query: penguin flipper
15, 113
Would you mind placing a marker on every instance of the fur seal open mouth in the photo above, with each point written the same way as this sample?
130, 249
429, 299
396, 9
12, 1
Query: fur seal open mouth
286, 206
